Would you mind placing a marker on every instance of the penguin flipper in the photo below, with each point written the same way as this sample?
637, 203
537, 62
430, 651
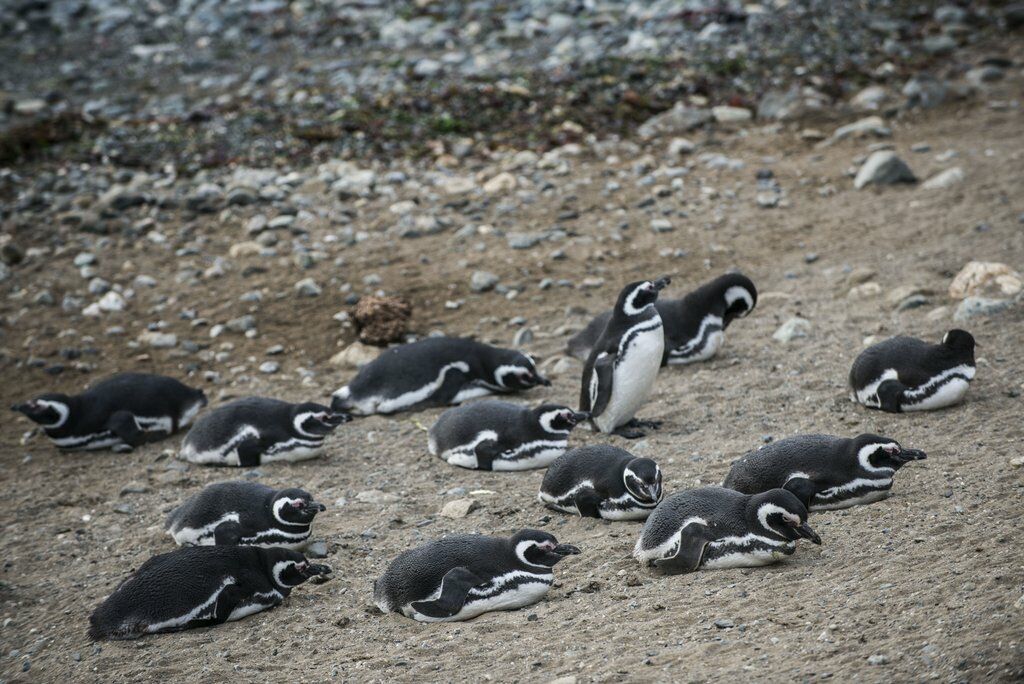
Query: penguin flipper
455, 586
487, 452
890, 394
122, 424
601, 384
693, 540
249, 452
588, 503
803, 488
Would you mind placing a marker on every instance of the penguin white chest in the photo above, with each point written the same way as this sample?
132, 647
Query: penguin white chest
636, 368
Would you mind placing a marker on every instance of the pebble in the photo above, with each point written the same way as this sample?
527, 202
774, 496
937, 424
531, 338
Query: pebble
883, 168
944, 179
376, 496
483, 281
158, 340
354, 356
459, 508
878, 659
307, 287
793, 328
317, 549
985, 278
662, 226
975, 307
270, 367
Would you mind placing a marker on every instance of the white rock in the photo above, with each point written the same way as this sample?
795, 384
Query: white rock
455, 185
944, 179
112, 301
158, 340
726, 114
502, 183
459, 508
883, 168
355, 356
793, 328
871, 99
376, 496
985, 277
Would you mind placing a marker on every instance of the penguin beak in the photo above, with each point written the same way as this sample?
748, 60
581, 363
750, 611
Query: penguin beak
318, 507
317, 572
661, 283
20, 408
805, 531
565, 550
336, 418
907, 455
654, 491
580, 416
541, 380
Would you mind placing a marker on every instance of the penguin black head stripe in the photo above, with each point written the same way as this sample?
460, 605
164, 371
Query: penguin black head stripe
120, 412
623, 364
714, 527
436, 371
823, 471
908, 374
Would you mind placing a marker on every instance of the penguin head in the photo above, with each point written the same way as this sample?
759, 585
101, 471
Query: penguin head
636, 297
781, 514
876, 453
642, 478
295, 507
739, 294
536, 548
48, 410
289, 568
959, 341
518, 371
559, 419
316, 420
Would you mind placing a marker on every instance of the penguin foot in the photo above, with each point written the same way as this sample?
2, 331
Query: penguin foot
628, 432
637, 423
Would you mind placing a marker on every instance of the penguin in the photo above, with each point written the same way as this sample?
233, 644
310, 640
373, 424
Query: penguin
825, 472
435, 371
694, 326
120, 412
255, 430
462, 576
199, 586
499, 435
244, 513
906, 374
714, 527
602, 481
620, 371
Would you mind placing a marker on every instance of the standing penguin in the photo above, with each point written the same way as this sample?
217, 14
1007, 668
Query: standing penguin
498, 435
255, 430
602, 481
464, 575
907, 374
200, 586
436, 371
244, 513
120, 412
824, 472
694, 326
713, 527
620, 371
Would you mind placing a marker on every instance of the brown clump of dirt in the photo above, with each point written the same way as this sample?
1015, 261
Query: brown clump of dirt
382, 320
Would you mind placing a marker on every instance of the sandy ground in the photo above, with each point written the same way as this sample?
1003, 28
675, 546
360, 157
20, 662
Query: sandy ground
924, 586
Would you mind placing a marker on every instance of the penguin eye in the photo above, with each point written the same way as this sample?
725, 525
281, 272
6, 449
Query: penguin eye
299, 504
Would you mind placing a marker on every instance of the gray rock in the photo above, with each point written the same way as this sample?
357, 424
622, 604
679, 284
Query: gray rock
522, 337
679, 119
524, 240
878, 659
307, 287
883, 168
939, 45
376, 496
317, 549
270, 367
944, 179
459, 508
158, 340
925, 91
482, 281
661, 225
793, 328
975, 307
724, 623
242, 324
985, 74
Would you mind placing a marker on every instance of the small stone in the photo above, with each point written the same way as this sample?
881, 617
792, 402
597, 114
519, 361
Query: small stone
661, 225
307, 287
679, 119
985, 278
871, 99
242, 324
354, 356
270, 367
133, 488
376, 496
974, 307
112, 302
1017, 461
317, 549
869, 126
504, 182
524, 240
793, 328
522, 338
680, 146
731, 114
482, 281
158, 340
243, 249
883, 168
724, 623
939, 45
459, 508
944, 179
767, 199
865, 291
878, 659
169, 477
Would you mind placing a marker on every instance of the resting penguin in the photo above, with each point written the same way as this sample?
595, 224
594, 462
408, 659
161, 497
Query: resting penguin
713, 527
694, 326
620, 371
498, 435
120, 412
464, 575
602, 481
255, 430
244, 513
824, 472
907, 374
436, 371
200, 586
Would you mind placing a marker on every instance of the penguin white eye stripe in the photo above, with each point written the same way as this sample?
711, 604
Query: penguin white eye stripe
62, 411
865, 452
629, 307
735, 293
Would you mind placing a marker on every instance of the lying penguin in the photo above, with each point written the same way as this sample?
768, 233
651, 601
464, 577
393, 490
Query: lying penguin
713, 527
620, 371
435, 371
907, 374
256, 430
120, 412
498, 435
602, 481
694, 326
824, 472
200, 586
244, 513
461, 576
